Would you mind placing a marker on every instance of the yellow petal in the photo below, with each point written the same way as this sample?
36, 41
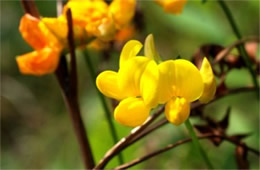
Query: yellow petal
130, 75
107, 83
172, 6
122, 11
106, 29
187, 80
165, 90
58, 26
131, 112
149, 48
177, 110
93, 16
39, 62
208, 80
149, 84
131, 49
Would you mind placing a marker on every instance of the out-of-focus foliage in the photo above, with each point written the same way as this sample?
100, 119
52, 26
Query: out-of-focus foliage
36, 131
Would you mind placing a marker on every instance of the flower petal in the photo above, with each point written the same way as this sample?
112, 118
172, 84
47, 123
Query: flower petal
177, 110
149, 84
39, 62
131, 112
172, 6
165, 90
107, 83
58, 26
29, 28
208, 80
131, 49
122, 11
187, 80
130, 76
149, 48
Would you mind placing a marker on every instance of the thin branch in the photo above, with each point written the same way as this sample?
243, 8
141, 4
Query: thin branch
195, 105
68, 84
73, 69
178, 143
241, 47
140, 134
104, 104
118, 147
30, 8
72, 101
222, 54
153, 127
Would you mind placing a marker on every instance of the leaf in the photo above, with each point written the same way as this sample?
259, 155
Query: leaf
225, 121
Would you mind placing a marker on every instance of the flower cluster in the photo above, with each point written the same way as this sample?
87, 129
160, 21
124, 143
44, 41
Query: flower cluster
91, 19
144, 82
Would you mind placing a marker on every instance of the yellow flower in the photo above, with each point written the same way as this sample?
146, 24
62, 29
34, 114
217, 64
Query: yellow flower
172, 6
124, 85
180, 83
47, 47
98, 18
59, 27
141, 84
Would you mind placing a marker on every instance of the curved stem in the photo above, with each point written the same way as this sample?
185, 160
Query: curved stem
241, 48
178, 143
197, 144
104, 104
195, 105
223, 53
117, 148
140, 132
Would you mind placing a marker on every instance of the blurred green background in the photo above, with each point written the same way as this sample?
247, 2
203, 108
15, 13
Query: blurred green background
36, 132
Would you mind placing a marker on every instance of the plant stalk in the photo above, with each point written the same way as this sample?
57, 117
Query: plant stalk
241, 47
104, 104
68, 84
197, 144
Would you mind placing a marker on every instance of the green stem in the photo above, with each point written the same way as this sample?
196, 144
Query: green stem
241, 48
104, 104
197, 144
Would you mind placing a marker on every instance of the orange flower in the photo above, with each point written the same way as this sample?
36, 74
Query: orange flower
125, 33
172, 6
47, 47
122, 12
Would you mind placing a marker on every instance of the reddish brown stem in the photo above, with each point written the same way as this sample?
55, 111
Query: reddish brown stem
124, 141
68, 84
30, 8
72, 101
137, 135
178, 143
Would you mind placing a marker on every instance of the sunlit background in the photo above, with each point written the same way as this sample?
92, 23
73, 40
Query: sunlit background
36, 132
